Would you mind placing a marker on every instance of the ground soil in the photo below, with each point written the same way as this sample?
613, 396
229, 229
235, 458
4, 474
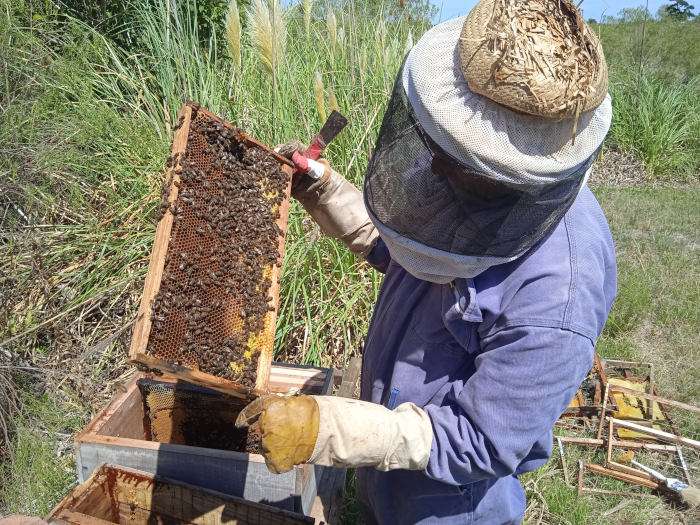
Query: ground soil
211, 309
618, 168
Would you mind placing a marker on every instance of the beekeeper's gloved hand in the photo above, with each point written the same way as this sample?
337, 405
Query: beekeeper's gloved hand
334, 203
339, 432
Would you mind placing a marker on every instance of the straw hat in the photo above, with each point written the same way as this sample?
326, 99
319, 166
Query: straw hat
536, 57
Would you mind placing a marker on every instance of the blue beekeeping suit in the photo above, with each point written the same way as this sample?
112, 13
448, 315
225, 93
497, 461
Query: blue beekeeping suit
494, 361
499, 274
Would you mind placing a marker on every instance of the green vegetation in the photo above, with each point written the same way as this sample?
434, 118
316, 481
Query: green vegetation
656, 316
655, 87
85, 122
40, 470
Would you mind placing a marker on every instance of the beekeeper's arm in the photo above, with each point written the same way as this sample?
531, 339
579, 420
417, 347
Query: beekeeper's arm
525, 378
334, 203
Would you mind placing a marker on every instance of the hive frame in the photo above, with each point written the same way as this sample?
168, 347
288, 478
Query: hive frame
142, 326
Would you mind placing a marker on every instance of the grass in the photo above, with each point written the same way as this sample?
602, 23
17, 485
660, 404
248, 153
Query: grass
656, 316
38, 477
654, 71
660, 122
654, 319
84, 130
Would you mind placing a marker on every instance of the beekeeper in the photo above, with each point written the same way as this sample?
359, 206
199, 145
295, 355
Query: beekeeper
499, 269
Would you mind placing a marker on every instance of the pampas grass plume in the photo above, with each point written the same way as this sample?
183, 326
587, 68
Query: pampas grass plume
306, 6
233, 33
332, 23
268, 32
320, 98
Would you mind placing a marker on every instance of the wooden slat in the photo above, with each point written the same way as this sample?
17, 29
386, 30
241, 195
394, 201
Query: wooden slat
628, 470
128, 420
265, 358
592, 442
78, 518
196, 377
600, 368
348, 386
106, 414
658, 399
156, 265
664, 436
87, 494
598, 469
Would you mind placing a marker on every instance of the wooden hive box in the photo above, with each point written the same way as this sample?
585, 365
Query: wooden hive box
121, 495
198, 285
119, 435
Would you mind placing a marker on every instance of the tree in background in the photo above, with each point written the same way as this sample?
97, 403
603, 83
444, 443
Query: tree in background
415, 10
632, 14
677, 9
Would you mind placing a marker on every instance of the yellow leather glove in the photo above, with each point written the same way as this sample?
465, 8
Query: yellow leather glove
339, 432
288, 428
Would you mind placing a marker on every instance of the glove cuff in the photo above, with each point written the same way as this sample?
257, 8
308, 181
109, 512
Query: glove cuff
338, 208
356, 433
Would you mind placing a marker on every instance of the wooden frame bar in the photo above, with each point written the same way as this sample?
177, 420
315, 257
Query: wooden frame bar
658, 399
622, 476
601, 422
591, 442
660, 434
582, 489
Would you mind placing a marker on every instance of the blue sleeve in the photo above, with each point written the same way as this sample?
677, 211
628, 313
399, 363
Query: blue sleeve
525, 377
379, 257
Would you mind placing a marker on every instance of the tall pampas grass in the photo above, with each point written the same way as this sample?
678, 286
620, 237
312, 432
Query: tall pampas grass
332, 101
306, 6
332, 24
409, 43
341, 39
320, 97
268, 32
233, 34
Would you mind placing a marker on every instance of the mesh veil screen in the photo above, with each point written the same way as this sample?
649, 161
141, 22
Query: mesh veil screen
422, 193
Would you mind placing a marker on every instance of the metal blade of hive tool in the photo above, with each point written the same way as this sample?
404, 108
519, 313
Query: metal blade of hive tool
335, 123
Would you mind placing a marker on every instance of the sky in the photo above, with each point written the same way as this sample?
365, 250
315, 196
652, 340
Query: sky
591, 8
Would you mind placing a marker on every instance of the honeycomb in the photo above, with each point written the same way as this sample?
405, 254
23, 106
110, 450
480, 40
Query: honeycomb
126, 496
186, 414
213, 309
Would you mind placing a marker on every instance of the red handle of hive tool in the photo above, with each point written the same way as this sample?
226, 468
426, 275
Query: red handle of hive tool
334, 125
301, 161
316, 148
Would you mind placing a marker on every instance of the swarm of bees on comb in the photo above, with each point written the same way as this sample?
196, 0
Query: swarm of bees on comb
214, 297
